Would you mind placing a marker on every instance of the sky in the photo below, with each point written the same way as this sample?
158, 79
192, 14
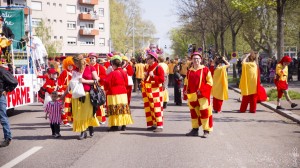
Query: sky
161, 14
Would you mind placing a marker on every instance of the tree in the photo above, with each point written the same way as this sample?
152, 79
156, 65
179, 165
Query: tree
128, 29
44, 32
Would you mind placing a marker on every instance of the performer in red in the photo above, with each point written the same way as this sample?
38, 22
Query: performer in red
63, 81
51, 85
100, 70
128, 68
281, 81
152, 91
197, 87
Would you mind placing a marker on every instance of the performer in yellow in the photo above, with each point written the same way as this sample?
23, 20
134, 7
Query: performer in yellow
197, 86
165, 84
249, 83
220, 80
281, 81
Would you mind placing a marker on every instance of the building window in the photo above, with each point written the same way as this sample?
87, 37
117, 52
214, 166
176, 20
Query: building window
54, 4
55, 37
35, 5
49, 20
60, 21
35, 22
61, 37
71, 9
101, 26
72, 40
86, 25
101, 12
71, 25
54, 20
60, 5
48, 3
102, 41
83, 9
87, 42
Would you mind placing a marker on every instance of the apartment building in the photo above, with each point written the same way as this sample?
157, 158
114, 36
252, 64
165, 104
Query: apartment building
81, 26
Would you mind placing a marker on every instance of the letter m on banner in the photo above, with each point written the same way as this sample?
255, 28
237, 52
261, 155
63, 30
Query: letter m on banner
14, 19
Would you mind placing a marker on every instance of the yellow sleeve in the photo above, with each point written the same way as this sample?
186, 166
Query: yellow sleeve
209, 79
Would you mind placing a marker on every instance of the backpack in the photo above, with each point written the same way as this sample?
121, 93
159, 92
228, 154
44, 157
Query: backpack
9, 82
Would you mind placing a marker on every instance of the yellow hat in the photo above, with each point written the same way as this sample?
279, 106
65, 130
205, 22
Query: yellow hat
124, 58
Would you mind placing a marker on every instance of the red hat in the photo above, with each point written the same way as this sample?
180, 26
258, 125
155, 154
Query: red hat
110, 55
196, 53
286, 59
153, 54
52, 71
92, 54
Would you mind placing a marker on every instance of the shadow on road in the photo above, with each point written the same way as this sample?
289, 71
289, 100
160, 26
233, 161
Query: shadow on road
45, 137
234, 119
151, 134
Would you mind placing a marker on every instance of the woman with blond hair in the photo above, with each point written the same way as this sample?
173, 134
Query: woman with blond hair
82, 109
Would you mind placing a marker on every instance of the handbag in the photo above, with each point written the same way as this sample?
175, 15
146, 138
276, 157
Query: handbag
76, 86
130, 81
193, 96
97, 95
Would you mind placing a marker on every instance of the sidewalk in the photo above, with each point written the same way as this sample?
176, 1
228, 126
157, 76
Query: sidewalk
293, 114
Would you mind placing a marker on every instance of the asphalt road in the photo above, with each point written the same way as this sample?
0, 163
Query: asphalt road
264, 139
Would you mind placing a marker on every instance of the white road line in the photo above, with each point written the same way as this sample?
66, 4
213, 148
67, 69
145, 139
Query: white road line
22, 157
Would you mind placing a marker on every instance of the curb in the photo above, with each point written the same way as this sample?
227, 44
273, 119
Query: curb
286, 113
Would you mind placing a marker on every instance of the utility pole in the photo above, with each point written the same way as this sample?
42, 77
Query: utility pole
133, 47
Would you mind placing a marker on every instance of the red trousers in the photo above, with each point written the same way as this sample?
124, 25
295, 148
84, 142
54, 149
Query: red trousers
129, 90
217, 104
252, 99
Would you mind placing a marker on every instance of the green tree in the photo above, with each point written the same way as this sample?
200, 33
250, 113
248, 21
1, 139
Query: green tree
44, 32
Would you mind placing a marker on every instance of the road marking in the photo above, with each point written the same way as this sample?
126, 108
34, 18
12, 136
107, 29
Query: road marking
22, 157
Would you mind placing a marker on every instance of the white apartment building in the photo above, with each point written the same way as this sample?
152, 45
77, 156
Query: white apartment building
82, 26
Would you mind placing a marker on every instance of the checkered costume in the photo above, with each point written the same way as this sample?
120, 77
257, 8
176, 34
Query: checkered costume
152, 92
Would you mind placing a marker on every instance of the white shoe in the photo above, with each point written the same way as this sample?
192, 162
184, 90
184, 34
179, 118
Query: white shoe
102, 123
68, 125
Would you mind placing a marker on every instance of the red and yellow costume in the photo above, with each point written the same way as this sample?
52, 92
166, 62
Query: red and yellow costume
101, 72
63, 80
200, 109
130, 72
152, 92
220, 87
248, 86
282, 83
166, 73
118, 110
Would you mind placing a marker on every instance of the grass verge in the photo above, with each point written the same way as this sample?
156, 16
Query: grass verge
272, 94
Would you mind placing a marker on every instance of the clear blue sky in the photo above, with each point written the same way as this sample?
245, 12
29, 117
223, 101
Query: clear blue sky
161, 13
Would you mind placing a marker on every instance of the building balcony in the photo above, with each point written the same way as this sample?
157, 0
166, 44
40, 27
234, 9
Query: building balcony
87, 16
27, 11
88, 32
88, 2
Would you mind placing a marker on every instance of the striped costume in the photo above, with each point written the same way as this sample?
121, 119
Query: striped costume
152, 91
200, 108
63, 80
54, 108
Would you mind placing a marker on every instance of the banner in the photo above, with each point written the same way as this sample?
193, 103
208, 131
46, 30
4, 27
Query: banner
14, 19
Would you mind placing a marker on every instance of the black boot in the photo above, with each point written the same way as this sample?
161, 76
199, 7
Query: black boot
91, 131
193, 132
165, 105
123, 128
82, 136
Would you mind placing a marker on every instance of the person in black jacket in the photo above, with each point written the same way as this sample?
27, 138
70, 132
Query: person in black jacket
5, 32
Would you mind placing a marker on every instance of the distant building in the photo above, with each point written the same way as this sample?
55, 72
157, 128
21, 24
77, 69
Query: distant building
82, 26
